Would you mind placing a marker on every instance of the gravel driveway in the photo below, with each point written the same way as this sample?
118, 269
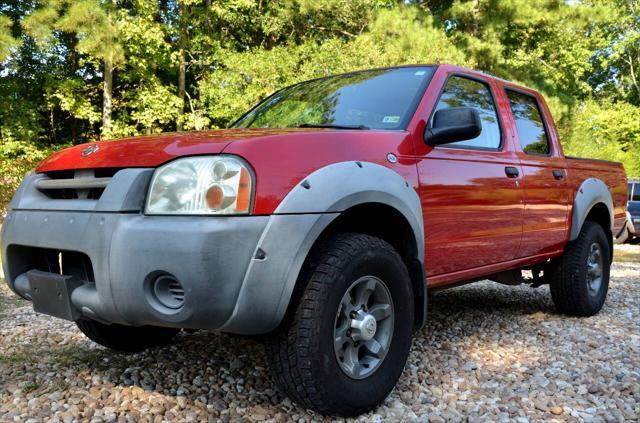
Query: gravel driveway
489, 352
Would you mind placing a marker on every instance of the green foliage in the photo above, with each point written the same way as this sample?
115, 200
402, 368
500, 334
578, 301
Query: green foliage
89, 20
395, 37
198, 64
609, 131
617, 67
75, 97
7, 42
16, 160
153, 106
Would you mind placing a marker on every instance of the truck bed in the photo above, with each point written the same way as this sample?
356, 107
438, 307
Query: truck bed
611, 173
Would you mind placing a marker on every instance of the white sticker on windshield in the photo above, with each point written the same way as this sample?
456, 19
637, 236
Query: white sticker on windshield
420, 73
391, 119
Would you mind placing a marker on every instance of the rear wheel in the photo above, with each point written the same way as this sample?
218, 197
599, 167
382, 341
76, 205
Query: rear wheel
126, 338
346, 343
580, 278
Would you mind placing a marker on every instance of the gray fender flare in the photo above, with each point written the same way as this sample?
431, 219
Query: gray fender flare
337, 187
297, 223
591, 192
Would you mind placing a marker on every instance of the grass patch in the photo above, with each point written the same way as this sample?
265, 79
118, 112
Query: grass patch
627, 253
8, 300
98, 359
68, 357
74, 356
30, 387
18, 358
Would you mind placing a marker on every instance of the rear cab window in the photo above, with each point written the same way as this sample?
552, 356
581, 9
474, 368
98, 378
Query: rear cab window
530, 125
461, 91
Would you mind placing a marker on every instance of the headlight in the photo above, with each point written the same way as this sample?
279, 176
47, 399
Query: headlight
201, 185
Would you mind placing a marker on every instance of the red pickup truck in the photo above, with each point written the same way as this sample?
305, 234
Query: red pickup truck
320, 219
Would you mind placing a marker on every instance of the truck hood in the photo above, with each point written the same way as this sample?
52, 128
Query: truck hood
152, 150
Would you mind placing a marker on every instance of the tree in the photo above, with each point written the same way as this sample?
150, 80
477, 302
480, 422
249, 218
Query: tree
182, 74
95, 33
609, 131
198, 64
547, 44
617, 72
7, 41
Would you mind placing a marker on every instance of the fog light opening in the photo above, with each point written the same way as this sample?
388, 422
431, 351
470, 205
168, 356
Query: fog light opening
168, 291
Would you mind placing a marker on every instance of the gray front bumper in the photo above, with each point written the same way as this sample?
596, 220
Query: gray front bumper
227, 285
209, 256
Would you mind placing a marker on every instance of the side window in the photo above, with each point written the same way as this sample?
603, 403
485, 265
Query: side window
636, 192
529, 124
465, 92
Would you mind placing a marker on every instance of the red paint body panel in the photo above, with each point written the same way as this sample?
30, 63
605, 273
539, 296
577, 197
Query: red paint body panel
288, 160
151, 150
477, 221
547, 210
469, 205
611, 174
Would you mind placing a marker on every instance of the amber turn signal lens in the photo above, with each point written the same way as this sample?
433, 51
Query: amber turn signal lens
244, 191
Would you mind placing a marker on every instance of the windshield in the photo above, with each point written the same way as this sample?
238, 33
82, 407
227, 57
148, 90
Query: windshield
375, 99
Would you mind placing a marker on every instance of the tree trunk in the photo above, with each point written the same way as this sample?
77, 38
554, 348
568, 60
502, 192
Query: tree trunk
181, 89
107, 94
73, 60
107, 90
207, 12
182, 72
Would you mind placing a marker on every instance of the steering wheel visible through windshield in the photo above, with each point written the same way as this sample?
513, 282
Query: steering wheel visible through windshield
374, 99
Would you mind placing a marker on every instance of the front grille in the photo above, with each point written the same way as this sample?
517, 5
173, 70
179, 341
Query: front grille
84, 184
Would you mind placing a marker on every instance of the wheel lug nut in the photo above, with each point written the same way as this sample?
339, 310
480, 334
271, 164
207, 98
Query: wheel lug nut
352, 314
349, 333
356, 344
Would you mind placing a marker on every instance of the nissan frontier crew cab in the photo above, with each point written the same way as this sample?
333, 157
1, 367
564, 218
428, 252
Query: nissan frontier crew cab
319, 219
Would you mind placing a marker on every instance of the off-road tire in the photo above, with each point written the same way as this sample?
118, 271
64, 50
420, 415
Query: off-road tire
569, 283
302, 354
128, 339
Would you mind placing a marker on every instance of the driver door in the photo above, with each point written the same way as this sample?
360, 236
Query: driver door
470, 190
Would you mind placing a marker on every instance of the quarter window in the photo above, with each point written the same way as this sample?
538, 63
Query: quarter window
465, 92
529, 124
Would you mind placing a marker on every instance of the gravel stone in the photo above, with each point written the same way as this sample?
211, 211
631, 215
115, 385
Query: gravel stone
488, 353
556, 410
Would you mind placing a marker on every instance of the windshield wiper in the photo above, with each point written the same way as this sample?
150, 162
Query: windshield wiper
328, 125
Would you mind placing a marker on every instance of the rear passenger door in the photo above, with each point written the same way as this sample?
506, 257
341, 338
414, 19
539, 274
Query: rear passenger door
471, 201
544, 178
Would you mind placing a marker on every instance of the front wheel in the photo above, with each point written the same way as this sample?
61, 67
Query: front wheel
344, 347
580, 278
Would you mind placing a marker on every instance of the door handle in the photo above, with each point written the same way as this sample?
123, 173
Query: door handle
558, 174
512, 172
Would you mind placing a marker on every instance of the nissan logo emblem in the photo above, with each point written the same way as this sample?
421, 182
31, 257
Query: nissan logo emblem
90, 150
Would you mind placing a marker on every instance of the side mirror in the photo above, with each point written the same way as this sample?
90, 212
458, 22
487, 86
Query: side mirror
453, 125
